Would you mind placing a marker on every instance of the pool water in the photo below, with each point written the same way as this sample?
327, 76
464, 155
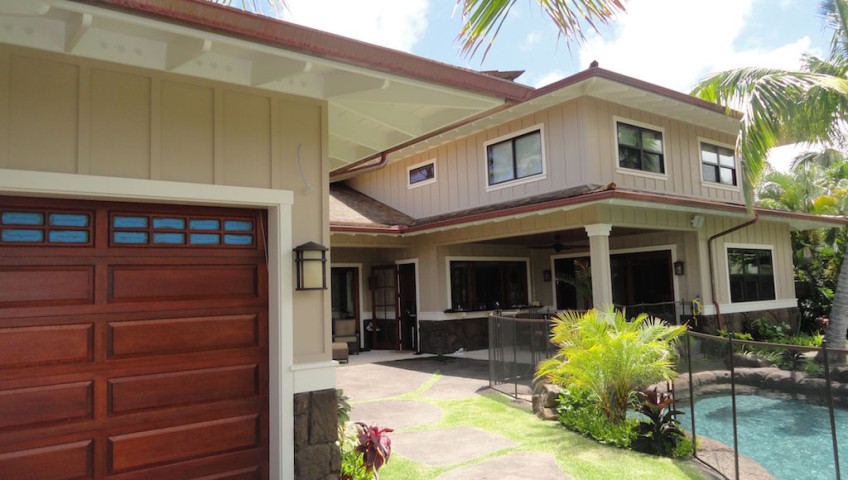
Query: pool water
790, 438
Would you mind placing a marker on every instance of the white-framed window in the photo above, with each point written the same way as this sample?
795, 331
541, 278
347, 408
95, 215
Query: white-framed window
718, 163
750, 272
421, 174
515, 157
640, 147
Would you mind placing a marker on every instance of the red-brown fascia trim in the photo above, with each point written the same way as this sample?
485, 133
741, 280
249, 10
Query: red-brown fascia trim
589, 198
207, 16
636, 83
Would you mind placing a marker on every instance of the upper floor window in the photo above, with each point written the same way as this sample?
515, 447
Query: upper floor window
421, 174
515, 158
718, 164
751, 274
640, 148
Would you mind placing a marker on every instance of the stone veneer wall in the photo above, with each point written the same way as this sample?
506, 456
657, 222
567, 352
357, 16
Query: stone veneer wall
316, 455
448, 336
738, 322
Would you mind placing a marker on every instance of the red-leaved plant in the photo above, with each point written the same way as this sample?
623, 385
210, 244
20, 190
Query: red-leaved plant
375, 446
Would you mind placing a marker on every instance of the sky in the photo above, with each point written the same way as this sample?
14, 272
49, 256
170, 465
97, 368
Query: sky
672, 43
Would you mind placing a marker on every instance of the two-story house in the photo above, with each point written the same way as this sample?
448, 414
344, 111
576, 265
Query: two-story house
159, 161
598, 189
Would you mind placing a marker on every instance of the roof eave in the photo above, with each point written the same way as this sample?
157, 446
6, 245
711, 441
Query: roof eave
208, 16
797, 221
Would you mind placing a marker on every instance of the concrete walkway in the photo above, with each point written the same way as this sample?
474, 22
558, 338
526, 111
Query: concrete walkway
377, 402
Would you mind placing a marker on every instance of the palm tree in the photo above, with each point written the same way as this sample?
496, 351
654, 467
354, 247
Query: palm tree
610, 355
783, 106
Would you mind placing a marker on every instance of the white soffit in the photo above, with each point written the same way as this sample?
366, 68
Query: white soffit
369, 111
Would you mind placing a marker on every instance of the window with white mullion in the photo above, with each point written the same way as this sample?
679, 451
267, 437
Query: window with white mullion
640, 148
718, 164
515, 158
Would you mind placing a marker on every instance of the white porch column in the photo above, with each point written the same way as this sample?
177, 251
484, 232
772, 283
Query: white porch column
599, 254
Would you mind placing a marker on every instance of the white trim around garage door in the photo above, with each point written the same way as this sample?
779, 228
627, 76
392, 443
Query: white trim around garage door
281, 379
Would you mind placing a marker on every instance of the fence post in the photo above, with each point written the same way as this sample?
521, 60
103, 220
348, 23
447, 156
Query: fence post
515, 355
691, 393
491, 349
830, 406
733, 406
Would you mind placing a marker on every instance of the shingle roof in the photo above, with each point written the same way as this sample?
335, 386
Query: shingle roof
351, 208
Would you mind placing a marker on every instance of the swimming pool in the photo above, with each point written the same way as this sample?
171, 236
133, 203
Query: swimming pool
790, 438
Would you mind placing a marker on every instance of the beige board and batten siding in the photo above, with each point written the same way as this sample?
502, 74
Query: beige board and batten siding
70, 115
681, 142
462, 173
763, 234
580, 147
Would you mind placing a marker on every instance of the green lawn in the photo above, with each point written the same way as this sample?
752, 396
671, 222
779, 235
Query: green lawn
577, 456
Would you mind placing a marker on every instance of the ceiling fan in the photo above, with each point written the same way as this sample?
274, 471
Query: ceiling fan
557, 246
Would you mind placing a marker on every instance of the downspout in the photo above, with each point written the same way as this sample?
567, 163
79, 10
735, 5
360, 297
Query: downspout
710, 258
362, 168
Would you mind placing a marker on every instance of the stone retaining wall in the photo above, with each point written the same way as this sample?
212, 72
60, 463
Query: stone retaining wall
316, 455
774, 381
448, 336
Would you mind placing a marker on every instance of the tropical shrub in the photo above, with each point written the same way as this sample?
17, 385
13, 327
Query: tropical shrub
374, 445
353, 464
604, 353
364, 450
661, 434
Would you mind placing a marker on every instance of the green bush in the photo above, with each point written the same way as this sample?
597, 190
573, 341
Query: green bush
814, 340
579, 412
764, 330
610, 356
683, 449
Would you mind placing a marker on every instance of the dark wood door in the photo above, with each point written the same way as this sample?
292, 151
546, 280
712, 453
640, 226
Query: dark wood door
384, 326
133, 341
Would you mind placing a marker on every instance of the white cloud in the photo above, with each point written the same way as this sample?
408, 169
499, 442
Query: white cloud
545, 79
388, 23
530, 40
674, 44
782, 157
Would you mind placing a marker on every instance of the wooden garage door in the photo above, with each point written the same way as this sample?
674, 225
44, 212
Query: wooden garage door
133, 341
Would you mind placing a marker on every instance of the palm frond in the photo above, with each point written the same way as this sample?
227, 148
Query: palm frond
778, 106
834, 15
483, 19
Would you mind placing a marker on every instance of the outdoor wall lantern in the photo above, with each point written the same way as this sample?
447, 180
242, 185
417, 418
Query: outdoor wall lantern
310, 259
679, 268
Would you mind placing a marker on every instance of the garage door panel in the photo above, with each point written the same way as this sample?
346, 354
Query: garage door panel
37, 406
46, 344
184, 442
164, 282
133, 362
31, 285
251, 473
176, 335
71, 461
227, 466
182, 388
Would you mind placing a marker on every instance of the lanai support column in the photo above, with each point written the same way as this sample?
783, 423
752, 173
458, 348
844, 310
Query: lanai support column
599, 253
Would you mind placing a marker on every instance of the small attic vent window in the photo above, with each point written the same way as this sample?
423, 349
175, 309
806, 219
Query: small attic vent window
421, 174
